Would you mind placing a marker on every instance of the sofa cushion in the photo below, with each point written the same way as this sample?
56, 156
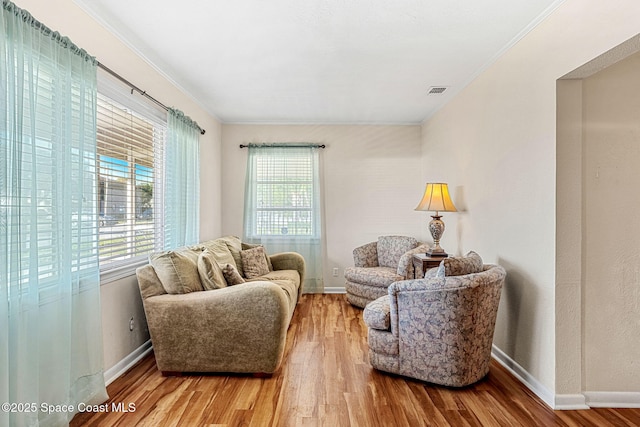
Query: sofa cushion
292, 275
459, 266
231, 275
391, 248
376, 314
220, 251
210, 272
373, 276
254, 262
287, 280
177, 270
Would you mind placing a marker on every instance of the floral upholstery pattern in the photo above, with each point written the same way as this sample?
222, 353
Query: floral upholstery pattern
360, 294
458, 266
405, 265
432, 272
254, 262
366, 255
380, 277
384, 342
391, 248
377, 265
376, 314
443, 327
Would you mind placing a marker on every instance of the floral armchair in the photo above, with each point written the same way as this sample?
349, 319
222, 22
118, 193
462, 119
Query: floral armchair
379, 264
438, 329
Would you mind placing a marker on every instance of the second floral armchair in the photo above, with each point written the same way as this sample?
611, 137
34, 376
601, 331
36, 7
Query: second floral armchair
379, 264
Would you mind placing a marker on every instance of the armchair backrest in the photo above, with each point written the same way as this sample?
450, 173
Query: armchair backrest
391, 248
457, 297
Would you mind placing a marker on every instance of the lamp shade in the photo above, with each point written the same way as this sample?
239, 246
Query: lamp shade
436, 198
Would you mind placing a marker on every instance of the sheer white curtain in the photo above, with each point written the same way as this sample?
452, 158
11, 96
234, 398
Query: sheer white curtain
182, 182
283, 206
50, 324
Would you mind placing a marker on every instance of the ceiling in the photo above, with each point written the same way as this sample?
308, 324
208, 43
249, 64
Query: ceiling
319, 61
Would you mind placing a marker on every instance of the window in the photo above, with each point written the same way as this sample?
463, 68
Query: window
130, 146
282, 205
284, 194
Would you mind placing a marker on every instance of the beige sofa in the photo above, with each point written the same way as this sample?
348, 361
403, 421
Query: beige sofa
198, 322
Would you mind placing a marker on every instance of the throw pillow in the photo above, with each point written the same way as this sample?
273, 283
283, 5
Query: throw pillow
254, 262
432, 272
221, 251
232, 275
246, 246
177, 270
235, 247
209, 271
452, 266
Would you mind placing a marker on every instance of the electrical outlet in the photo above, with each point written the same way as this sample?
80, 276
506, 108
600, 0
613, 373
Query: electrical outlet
335, 272
131, 324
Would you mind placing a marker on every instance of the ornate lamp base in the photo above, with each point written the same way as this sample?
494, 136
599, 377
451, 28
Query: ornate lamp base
433, 253
436, 227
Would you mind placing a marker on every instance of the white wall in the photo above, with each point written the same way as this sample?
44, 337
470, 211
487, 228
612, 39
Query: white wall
611, 233
121, 299
496, 141
372, 182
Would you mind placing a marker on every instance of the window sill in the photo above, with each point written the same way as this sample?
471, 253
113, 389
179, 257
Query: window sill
110, 275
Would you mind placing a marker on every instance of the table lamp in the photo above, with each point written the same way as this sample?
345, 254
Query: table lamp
436, 199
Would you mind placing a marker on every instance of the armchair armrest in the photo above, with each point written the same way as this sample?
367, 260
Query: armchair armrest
405, 265
214, 331
408, 293
290, 261
366, 255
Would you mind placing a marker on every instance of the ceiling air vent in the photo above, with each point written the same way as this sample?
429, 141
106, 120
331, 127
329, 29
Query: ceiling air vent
436, 90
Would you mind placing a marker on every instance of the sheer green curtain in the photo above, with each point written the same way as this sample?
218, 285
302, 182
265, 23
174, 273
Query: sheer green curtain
50, 325
282, 204
182, 182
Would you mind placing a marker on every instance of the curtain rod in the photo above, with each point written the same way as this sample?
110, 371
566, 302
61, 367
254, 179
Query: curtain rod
140, 91
282, 145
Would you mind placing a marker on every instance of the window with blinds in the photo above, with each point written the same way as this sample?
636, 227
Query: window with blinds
130, 149
284, 195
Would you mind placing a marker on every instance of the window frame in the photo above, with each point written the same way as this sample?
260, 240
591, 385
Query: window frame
310, 210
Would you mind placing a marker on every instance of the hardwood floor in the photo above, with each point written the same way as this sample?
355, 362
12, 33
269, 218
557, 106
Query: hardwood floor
326, 380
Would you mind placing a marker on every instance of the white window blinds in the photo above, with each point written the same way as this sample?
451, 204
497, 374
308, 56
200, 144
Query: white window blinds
130, 157
284, 190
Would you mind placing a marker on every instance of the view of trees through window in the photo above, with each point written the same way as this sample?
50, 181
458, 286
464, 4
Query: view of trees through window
128, 158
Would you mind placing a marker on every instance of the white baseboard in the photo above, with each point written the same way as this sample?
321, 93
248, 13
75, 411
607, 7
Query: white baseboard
111, 374
524, 377
335, 290
569, 402
613, 399
566, 402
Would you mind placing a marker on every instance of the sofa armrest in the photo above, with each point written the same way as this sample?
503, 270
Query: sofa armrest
405, 265
290, 261
366, 255
214, 331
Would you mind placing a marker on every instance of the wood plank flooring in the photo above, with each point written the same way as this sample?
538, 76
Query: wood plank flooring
325, 380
